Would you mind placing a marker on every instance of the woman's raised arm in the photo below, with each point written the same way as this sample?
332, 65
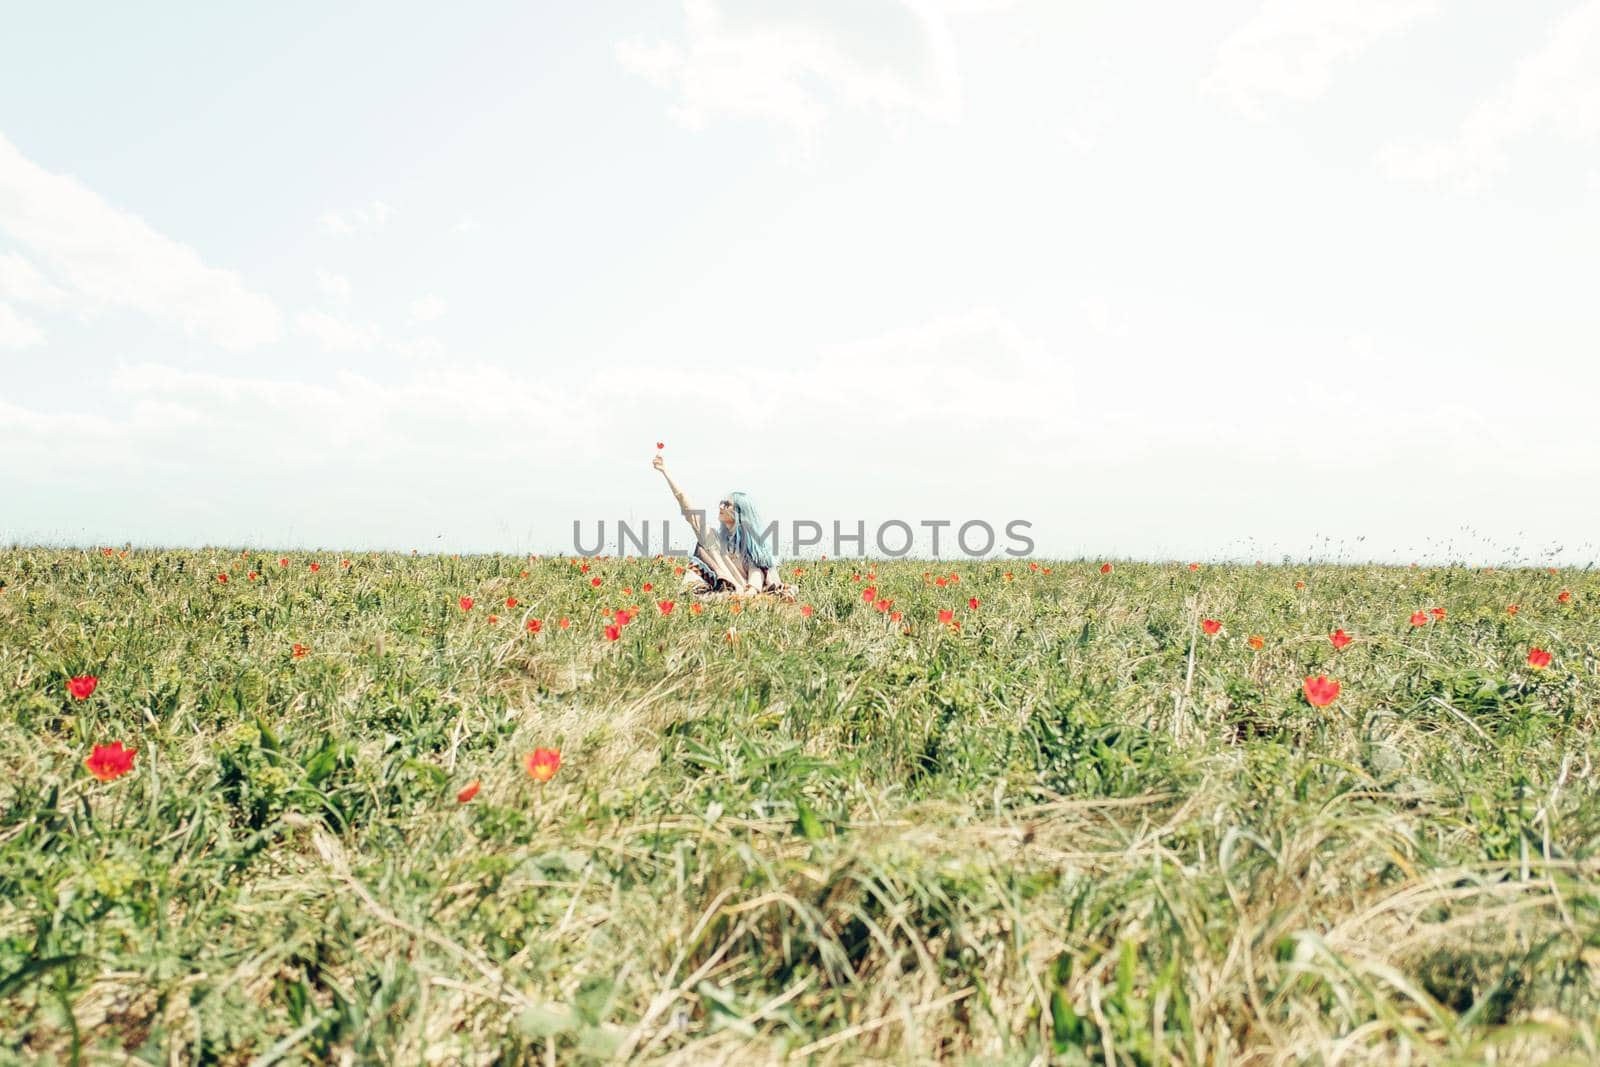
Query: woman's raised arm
696, 520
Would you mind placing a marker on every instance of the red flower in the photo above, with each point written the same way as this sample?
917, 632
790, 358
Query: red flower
659, 446
315, 567
677, 570
972, 604
223, 578
1320, 692
344, 563
1565, 596
805, 610
946, 615
1105, 568
1511, 609
646, 587
623, 616
81, 686
1438, 613
511, 601
870, 593
1339, 638
1194, 566
466, 603
493, 618
595, 582
938, 581
627, 590
1211, 626
1299, 585
1538, 659
1033, 566
469, 792
894, 616
564, 623
283, 562
883, 604
695, 609
543, 764
665, 606
613, 632
1419, 618
106, 762
297, 650
1256, 641
583, 568
251, 576
105, 551
535, 625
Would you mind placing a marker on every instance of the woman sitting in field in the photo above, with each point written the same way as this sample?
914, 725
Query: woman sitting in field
734, 558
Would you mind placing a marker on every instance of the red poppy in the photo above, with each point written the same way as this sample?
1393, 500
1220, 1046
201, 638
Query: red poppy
315, 567
564, 623
1339, 638
469, 792
583, 568
106, 762
1105, 568
665, 606
543, 764
623, 616
894, 616
1033, 566
466, 603
1438, 613
524, 574
1299, 585
81, 686
677, 570
595, 582
805, 610
1419, 618
1009, 577
1565, 596
1538, 659
298, 651
251, 576
1320, 692
1211, 626
1256, 641
344, 563
511, 601
946, 615
870, 593
613, 632
535, 625
695, 609
493, 618
646, 587
972, 603
882, 605
105, 551
659, 446
283, 562
1194, 566
938, 582
1511, 609
627, 590
1042, 570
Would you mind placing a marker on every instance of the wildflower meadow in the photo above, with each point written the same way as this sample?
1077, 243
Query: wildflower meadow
265, 807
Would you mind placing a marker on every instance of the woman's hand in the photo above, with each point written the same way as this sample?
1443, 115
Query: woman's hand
659, 464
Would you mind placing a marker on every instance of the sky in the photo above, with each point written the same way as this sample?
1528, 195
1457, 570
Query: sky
1240, 280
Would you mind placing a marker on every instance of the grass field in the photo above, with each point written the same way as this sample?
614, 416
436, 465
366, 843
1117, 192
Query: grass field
1076, 828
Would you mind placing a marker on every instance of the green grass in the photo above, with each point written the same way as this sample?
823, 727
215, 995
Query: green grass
1075, 830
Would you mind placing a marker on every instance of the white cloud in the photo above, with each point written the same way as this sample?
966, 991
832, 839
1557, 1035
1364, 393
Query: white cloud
1289, 48
339, 335
334, 286
16, 331
103, 258
1555, 90
22, 282
772, 63
466, 225
369, 218
427, 309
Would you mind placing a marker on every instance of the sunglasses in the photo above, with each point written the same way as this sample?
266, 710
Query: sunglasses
725, 503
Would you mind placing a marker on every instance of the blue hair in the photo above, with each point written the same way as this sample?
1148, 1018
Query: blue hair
745, 538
